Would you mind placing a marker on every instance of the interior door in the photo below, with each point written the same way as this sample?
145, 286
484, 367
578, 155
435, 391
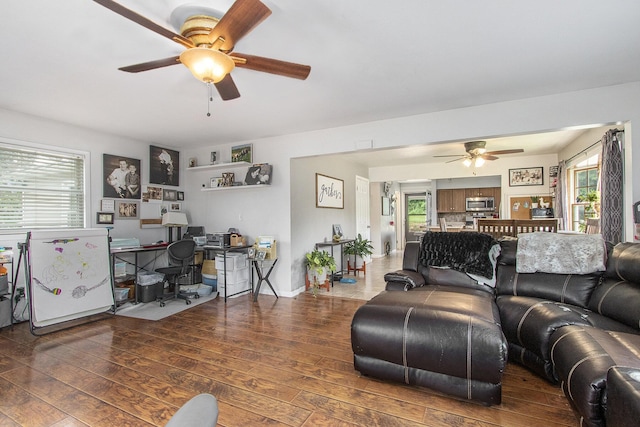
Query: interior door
363, 224
415, 215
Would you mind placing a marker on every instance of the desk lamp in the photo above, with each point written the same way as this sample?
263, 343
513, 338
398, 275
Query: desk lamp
173, 220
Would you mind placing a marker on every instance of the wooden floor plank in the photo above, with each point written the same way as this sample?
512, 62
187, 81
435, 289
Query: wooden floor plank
281, 362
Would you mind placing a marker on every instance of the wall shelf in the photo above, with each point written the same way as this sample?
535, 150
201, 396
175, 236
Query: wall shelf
234, 187
219, 166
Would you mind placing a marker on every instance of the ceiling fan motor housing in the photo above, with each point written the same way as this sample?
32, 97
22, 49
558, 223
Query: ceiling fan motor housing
475, 147
197, 29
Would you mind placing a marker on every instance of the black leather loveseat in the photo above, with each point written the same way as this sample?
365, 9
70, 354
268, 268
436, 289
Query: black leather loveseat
573, 329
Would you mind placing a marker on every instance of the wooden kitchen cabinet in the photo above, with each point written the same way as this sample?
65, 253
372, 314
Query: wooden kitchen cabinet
451, 200
480, 192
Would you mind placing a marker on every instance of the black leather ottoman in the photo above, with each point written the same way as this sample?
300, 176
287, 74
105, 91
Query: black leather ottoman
623, 397
444, 338
582, 356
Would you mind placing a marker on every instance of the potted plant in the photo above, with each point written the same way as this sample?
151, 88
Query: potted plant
534, 202
357, 250
319, 264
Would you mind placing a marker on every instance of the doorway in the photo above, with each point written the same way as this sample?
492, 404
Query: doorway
416, 209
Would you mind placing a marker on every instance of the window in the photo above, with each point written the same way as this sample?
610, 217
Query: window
585, 179
41, 189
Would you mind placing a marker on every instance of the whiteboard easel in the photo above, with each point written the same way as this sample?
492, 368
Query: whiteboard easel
69, 276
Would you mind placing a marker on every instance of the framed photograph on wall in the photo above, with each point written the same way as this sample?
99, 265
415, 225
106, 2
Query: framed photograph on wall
164, 166
107, 205
104, 217
151, 194
180, 195
386, 206
242, 153
175, 206
169, 195
128, 210
329, 192
121, 177
214, 158
525, 176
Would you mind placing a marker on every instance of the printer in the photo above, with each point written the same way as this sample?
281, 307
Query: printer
220, 239
197, 234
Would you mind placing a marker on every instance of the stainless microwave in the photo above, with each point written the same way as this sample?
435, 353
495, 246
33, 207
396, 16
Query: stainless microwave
480, 204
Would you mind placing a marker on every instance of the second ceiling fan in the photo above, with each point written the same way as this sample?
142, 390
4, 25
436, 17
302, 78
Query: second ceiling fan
210, 43
477, 154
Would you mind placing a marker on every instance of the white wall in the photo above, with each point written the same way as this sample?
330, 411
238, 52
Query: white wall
272, 210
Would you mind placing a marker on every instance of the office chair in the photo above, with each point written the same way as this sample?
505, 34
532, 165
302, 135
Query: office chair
181, 255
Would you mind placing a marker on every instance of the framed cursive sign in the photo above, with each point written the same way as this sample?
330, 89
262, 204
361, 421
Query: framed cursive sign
329, 192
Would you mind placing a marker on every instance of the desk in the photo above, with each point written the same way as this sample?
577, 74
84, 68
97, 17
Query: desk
259, 267
332, 244
224, 251
116, 254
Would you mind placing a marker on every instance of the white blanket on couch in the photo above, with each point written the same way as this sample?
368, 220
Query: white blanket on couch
560, 253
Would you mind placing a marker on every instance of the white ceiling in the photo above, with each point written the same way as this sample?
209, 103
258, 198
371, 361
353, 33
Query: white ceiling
370, 60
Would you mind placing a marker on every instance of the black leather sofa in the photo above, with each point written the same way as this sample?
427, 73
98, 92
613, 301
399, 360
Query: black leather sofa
572, 329
445, 334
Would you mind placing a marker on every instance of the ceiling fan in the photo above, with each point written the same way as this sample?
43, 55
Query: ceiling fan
477, 154
210, 42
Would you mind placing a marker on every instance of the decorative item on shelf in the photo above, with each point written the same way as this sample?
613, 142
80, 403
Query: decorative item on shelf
337, 232
214, 158
242, 153
357, 251
258, 174
193, 162
216, 182
319, 264
227, 179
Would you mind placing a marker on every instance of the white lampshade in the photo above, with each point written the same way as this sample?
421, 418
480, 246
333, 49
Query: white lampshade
467, 162
207, 65
174, 219
479, 161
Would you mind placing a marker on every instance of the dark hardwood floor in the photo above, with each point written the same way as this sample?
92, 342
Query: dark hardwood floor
275, 362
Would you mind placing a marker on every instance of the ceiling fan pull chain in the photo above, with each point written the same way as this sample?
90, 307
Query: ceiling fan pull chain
209, 98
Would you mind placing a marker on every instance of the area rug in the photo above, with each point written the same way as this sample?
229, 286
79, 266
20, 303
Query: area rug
153, 311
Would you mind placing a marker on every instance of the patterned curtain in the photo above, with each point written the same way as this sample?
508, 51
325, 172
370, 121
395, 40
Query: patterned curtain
561, 195
611, 207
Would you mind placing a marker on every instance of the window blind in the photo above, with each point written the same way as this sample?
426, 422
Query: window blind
40, 189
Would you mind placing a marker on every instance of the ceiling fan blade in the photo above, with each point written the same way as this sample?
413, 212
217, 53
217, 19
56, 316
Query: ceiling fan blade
273, 66
517, 150
452, 155
151, 65
242, 17
489, 157
227, 88
139, 19
454, 160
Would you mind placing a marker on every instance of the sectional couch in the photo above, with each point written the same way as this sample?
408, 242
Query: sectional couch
570, 312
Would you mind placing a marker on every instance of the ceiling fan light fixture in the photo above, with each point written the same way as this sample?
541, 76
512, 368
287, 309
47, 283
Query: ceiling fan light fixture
467, 162
207, 65
479, 162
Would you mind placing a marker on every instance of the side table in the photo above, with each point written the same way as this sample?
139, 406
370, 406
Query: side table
259, 267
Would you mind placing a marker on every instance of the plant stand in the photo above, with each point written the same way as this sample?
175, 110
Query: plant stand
356, 270
307, 284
